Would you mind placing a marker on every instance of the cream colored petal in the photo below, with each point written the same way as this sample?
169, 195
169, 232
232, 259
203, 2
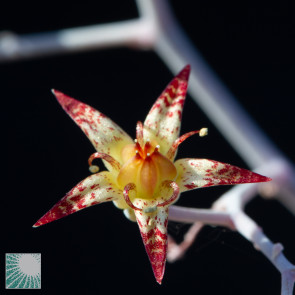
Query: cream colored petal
153, 230
164, 119
129, 213
93, 190
197, 173
105, 135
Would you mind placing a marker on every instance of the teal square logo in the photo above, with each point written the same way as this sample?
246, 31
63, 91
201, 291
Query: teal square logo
23, 270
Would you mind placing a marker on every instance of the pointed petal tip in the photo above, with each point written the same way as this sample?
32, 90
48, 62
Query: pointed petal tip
59, 95
153, 229
56, 93
184, 73
68, 103
38, 223
52, 215
158, 265
260, 178
187, 67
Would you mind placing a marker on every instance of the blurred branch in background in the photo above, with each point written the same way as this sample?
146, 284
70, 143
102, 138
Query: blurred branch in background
157, 29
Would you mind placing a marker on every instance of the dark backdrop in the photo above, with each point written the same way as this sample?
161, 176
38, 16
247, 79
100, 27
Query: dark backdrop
96, 251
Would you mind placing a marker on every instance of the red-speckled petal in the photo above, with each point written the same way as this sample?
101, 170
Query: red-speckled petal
196, 173
153, 229
164, 119
93, 190
106, 136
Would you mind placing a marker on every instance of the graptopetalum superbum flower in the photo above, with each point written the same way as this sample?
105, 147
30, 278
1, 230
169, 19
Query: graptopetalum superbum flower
142, 177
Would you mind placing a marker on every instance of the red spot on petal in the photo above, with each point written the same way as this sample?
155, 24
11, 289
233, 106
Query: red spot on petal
95, 203
94, 186
81, 188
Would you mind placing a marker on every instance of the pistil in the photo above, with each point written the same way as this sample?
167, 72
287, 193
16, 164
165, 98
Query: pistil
145, 167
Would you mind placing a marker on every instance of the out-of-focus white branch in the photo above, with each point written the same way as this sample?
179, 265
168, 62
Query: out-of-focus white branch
135, 33
208, 216
235, 220
177, 251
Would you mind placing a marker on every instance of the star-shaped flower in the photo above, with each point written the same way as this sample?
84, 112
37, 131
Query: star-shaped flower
142, 177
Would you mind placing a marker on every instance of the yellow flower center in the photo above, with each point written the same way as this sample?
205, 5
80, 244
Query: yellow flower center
145, 167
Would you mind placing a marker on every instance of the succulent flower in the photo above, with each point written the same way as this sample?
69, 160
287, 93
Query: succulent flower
142, 178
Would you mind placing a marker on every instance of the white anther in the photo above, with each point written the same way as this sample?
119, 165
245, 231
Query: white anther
135, 140
136, 152
93, 169
203, 132
148, 154
157, 147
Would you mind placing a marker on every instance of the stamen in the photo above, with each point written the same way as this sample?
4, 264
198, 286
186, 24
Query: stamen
203, 132
157, 148
175, 194
137, 146
139, 133
172, 151
135, 140
114, 163
148, 154
93, 168
127, 188
147, 147
138, 154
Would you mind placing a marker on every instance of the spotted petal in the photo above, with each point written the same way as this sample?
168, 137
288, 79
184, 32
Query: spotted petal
105, 135
196, 173
164, 119
153, 229
93, 190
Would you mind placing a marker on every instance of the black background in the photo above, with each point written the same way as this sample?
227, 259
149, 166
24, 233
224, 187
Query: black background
250, 45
